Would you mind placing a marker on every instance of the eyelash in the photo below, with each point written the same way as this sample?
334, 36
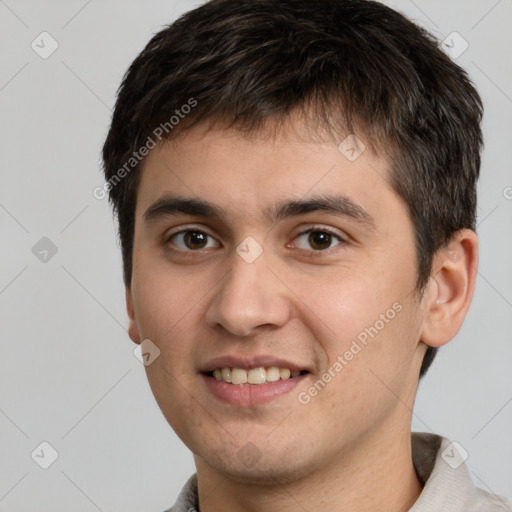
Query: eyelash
320, 229
183, 252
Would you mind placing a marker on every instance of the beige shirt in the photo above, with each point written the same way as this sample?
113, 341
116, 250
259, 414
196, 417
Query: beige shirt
440, 467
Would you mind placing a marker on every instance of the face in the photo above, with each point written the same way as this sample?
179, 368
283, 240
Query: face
259, 257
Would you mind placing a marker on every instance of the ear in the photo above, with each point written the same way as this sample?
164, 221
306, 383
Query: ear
133, 330
450, 288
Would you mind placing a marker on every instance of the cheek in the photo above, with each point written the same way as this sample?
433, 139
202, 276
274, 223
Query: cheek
164, 301
167, 307
366, 317
340, 307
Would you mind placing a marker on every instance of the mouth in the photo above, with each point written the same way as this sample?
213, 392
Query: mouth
254, 376
250, 381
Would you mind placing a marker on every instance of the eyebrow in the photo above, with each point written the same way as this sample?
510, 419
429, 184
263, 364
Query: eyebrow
170, 206
339, 205
342, 206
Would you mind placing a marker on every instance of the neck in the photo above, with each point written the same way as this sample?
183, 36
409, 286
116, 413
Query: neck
378, 475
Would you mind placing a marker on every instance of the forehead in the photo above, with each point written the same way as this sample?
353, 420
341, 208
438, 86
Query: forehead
252, 174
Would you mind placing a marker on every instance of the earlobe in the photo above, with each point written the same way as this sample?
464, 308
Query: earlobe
133, 330
450, 289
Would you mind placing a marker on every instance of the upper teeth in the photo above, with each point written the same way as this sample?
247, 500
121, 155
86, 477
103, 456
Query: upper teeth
253, 376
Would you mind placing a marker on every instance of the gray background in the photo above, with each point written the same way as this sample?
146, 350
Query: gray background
68, 375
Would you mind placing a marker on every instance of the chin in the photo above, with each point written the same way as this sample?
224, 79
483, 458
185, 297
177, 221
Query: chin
260, 470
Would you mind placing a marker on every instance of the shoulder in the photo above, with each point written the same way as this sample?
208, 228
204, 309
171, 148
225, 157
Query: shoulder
440, 465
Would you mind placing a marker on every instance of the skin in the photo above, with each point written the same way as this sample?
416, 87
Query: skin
349, 447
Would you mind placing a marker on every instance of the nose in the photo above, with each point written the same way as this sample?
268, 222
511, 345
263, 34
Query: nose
249, 299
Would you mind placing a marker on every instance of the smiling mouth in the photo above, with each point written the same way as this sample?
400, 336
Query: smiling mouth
253, 376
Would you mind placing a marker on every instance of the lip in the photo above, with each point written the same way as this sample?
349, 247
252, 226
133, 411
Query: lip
250, 395
248, 362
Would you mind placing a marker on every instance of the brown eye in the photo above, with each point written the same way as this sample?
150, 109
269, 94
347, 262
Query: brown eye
195, 239
192, 240
318, 240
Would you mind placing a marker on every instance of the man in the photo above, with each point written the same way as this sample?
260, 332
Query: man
295, 184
